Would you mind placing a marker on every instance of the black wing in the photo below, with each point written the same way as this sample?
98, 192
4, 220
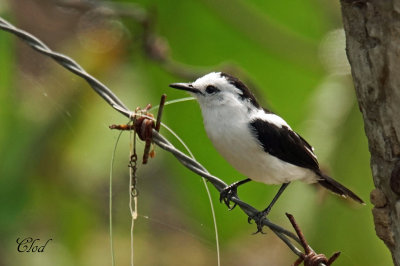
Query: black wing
285, 144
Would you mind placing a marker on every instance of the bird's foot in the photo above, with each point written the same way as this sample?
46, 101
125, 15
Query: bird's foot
227, 193
258, 219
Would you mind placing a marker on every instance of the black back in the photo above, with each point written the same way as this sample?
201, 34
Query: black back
284, 144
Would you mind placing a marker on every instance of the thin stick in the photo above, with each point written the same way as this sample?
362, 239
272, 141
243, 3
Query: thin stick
110, 200
160, 112
132, 189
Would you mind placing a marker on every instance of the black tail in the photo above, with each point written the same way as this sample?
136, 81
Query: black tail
334, 186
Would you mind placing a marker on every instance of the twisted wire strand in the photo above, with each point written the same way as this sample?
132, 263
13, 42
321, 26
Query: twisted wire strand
67, 63
158, 139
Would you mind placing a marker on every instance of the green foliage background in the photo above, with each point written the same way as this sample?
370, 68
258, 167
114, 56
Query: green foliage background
55, 145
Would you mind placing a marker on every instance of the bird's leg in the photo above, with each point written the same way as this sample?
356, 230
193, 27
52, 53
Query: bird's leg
228, 192
259, 216
281, 189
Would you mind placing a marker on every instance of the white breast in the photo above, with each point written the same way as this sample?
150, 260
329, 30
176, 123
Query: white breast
229, 131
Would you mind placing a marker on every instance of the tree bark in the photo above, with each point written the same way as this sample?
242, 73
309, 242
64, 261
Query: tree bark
373, 48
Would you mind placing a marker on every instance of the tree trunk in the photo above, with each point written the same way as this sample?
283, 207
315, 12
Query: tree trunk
373, 48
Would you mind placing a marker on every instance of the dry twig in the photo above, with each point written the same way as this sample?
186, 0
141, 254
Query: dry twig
309, 257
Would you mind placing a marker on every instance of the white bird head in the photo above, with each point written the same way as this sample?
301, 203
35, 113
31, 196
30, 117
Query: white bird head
218, 89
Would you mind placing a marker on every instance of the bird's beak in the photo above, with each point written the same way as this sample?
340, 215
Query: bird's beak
184, 86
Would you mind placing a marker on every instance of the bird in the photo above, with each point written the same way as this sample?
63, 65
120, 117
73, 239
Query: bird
254, 140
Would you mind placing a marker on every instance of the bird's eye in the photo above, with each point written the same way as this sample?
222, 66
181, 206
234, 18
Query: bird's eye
211, 89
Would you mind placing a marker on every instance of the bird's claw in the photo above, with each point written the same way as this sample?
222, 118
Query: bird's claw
226, 195
258, 219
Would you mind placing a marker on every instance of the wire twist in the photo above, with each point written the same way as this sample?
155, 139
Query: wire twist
67, 63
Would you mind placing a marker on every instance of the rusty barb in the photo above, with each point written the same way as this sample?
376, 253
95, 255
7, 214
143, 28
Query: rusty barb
309, 256
143, 124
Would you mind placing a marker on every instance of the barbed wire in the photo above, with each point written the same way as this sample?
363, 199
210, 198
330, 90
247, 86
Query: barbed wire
157, 138
69, 64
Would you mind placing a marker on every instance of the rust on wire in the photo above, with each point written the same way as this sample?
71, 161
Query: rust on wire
143, 125
309, 257
133, 168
